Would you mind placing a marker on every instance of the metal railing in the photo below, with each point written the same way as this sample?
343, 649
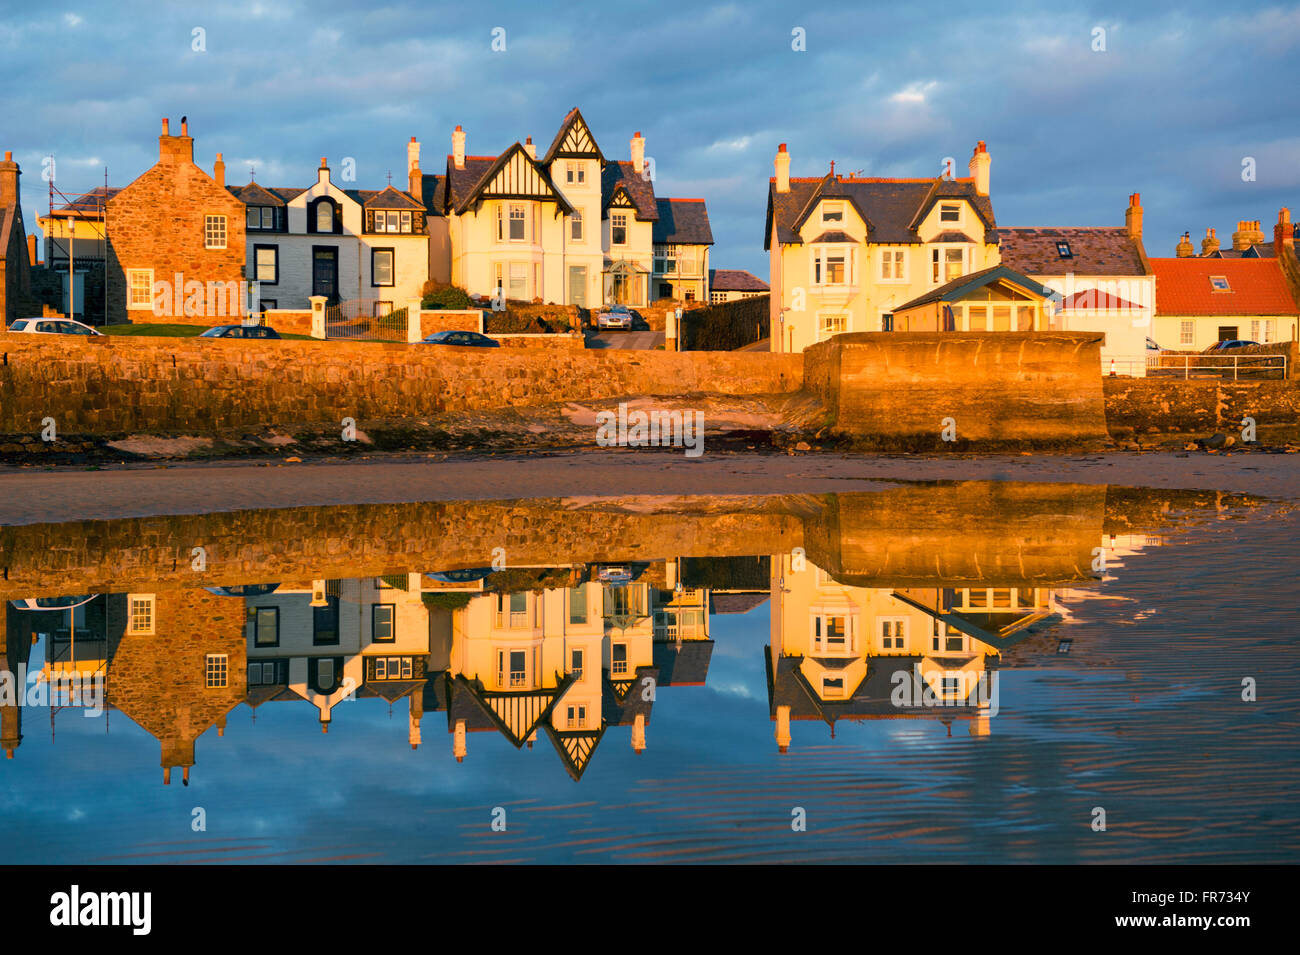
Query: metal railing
365, 319
1237, 367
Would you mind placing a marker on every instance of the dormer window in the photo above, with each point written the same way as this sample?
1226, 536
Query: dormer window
833, 212
950, 212
1063, 250
392, 221
1220, 283
261, 217
324, 215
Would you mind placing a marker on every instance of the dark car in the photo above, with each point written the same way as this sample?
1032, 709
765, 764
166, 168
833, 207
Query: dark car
473, 339
460, 576
1228, 345
240, 331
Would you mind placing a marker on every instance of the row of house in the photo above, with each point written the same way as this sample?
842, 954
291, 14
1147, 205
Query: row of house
567, 660
570, 227
855, 254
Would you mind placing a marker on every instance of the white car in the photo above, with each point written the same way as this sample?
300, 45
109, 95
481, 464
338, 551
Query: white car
52, 326
614, 316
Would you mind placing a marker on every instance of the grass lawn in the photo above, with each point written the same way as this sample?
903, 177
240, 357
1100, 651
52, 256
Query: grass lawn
160, 330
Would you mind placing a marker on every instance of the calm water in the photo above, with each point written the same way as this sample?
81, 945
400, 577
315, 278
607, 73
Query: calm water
932, 673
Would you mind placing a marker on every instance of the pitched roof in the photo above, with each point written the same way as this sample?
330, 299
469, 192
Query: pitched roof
1256, 287
1093, 251
958, 287
255, 195
434, 194
736, 280
1093, 299
571, 119
684, 221
735, 603
468, 183
686, 664
388, 198
1260, 250
892, 208
619, 173
461, 182
89, 204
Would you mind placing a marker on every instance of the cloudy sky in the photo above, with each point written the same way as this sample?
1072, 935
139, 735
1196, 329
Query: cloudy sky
1178, 98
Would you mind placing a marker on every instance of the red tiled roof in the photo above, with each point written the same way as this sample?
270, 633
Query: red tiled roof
1257, 287
1093, 299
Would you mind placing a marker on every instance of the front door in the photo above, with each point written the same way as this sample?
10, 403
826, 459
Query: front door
578, 285
325, 273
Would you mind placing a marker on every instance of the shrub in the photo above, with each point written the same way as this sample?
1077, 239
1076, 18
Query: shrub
448, 297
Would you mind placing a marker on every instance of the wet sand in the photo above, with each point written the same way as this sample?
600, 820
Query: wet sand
29, 495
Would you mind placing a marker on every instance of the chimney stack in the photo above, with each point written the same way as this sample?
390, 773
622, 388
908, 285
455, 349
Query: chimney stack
175, 148
1185, 249
219, 171
638, 153
31, 250
1133, 216
9, 175
1283, 232
1248, 233
1210, 244
979, 168
323, 173
458, 148
530, 148
782, 164
415, 179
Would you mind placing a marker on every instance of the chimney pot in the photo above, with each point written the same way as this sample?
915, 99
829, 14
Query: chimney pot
219, 170
185, 128
9, 156
323, 163
782, 166
165, 126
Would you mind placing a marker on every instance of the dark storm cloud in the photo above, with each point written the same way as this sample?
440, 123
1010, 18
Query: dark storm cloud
1178, 98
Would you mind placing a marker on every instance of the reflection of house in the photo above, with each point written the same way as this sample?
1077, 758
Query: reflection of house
176, 667
843, 652
847, 251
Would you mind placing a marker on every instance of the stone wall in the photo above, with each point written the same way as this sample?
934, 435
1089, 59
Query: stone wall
726, 326
450, 320
110, 385
1153, 405
289, 321
897, 388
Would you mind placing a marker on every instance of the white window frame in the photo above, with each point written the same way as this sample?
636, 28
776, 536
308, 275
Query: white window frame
818, 630
617, 220
576, 226
822, 254
939, 263
824, 320
517, 212
900, 631
1187, 332
133, 286
214, 232
833, 212
950, 205
150, 605
898, 257
216, 671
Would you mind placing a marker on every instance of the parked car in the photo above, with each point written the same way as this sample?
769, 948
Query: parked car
467, 576
614, 316
1152, 346
52, 326
52, 603
1228, 345
619, 574
472, 339
240, 331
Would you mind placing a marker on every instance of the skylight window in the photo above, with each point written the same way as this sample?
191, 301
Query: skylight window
1063, 250
1220, 283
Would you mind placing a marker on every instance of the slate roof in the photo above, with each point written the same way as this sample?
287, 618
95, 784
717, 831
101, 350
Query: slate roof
873, 697
461, 182
388, 198
833, 235
1260, 250
254, 194
736, 280
684, 666
90, 203
682, 221
735, 603
892, 208
1093, 251
434, 194
1258, 287
639, 189
958, 287
569, 118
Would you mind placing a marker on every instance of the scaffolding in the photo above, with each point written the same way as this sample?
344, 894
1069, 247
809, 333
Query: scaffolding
94, 201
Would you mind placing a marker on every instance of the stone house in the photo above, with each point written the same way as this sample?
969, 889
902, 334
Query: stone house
176, 242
